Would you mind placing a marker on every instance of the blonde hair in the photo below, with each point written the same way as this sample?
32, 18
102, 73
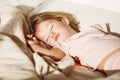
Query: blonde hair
37, 18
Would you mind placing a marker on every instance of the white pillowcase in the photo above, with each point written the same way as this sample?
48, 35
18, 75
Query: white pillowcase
24, 5
86, 14
14, 61
13, 22
30, 3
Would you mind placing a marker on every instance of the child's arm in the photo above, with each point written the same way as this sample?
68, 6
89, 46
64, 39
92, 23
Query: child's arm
54, 53
103, 27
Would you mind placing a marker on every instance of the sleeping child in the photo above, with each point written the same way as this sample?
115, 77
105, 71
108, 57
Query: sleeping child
96, 47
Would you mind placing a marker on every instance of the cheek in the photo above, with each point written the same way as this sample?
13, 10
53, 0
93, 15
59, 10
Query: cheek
64, 36
37, 34
65, 33
51, 43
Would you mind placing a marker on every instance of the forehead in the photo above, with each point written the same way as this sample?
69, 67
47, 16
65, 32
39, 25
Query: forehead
42, 28
43, 24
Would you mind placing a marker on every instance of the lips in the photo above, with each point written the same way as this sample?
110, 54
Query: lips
56, 37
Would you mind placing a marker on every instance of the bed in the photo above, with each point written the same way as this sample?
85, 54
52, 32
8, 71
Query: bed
17, 62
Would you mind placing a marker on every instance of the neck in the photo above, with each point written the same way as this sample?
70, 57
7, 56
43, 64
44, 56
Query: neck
73, 31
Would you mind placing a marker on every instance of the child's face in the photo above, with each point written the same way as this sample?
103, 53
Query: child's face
53, 31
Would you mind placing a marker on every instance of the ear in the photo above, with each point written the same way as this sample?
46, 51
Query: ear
65, 20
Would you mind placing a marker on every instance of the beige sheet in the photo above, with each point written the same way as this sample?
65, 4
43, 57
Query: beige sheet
64, 69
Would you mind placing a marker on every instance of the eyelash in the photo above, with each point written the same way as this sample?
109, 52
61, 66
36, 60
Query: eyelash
50, 32
51, 28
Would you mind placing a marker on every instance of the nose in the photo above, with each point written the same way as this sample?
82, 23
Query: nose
52, 35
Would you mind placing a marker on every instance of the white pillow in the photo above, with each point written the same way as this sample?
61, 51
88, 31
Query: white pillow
13, 22
31, 3
24, 5
14, 61
86, 14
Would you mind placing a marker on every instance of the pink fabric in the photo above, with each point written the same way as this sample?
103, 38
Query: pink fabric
91, 45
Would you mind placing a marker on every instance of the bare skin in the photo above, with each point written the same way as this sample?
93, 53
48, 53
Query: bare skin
36, 47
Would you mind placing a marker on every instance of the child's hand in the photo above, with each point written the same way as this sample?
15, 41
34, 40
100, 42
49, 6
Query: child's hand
76, 59
32, 42
31, 39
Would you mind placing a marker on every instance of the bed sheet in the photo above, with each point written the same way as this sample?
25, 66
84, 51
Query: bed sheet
65, 69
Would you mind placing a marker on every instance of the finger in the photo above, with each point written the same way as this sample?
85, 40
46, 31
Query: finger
29, 35
30, 42
34, 39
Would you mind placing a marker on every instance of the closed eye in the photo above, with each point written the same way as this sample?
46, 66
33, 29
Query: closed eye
51, 29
